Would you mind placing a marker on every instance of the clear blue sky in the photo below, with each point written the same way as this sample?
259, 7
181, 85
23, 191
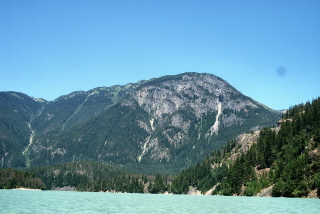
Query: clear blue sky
268, 50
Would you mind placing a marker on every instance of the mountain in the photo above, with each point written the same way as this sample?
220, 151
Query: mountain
283, 161
160, 125
17, 111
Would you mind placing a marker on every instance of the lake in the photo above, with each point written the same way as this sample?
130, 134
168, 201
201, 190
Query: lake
21, 201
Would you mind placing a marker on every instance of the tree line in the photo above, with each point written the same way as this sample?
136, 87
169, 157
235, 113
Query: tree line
13, 178
286, 158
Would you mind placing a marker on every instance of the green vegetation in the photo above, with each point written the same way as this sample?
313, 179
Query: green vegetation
13, 178
200, 176
110, 125
288, 158
160, 184
17, 110
84, 176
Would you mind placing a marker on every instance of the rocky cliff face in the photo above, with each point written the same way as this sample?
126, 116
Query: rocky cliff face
165, 123
182, 103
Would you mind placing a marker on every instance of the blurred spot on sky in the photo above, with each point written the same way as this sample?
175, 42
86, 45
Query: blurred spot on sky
281, 71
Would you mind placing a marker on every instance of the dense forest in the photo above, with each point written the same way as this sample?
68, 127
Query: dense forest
84, 176
13, 178
285, 158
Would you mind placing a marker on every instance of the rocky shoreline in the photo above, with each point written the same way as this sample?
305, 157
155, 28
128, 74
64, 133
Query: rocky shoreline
22, 188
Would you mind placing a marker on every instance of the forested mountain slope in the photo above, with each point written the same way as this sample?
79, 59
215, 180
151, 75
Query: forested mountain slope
160, 125
283, 161
278, 161
17, 112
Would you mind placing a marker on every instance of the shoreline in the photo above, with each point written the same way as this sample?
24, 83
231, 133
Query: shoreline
22, 188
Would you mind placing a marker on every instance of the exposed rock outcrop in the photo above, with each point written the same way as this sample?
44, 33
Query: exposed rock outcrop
265, 192
313, 194
174, 120
314, 155
194, 191
65, 188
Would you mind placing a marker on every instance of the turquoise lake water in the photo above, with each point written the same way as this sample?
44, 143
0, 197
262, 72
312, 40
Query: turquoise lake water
20, 201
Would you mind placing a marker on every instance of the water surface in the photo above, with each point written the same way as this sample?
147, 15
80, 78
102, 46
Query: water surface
20, 201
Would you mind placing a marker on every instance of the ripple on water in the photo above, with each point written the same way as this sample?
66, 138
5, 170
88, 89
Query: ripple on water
19, 201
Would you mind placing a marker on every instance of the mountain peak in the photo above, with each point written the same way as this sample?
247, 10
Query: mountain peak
163, 123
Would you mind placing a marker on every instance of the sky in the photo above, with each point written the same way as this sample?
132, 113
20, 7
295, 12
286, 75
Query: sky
268, 50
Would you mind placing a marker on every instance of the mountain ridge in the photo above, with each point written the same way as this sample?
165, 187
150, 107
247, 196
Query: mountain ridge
281, 161
166, 122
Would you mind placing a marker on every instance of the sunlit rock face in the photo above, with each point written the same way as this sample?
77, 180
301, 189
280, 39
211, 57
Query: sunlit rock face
172, 121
